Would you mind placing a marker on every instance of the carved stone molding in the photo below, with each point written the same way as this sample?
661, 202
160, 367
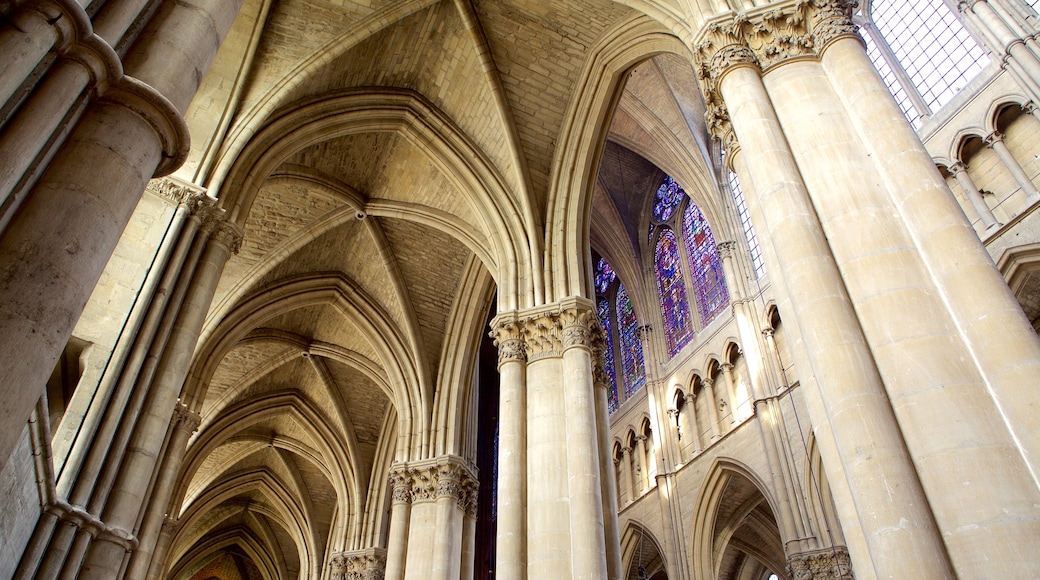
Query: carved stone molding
427, 481
367, 564
580, 327
726, 249
832, 20
509, 340
781, 34
543, 337
227, 234
184, 418
829, 564
174, 190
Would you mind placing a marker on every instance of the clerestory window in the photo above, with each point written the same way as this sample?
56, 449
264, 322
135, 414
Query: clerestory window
624, 351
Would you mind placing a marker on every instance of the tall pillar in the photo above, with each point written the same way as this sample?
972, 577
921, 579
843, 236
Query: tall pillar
579, 325
400, 514
548, 503
902, 535
960, 172
713, 407
182, 426
510, 536
688, 419
992, 334
608, 465
162, 547
995, 141
124, 502
56, 248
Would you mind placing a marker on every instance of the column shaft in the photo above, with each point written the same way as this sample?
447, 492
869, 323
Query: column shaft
510, 535
904, 541
960, 172
1003, 343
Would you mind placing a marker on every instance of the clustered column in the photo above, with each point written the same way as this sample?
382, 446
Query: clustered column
434, 507
818, 130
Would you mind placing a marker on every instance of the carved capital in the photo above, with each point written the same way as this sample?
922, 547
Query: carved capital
958, 168
832, 20
185, 419
690, 398
726, 367
174, 191
543, 337
509, 340
367, 564
227, 234
768, 332
401, 486
726, 249
579, 327
994, 138
781, 34
829, 564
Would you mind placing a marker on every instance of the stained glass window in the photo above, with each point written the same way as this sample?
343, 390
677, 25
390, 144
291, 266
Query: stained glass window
667, 199
604, 276
628, 341
603, 308
671, 289
709, 281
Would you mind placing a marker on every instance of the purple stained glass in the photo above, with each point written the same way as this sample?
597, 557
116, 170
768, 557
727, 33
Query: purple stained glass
678, 324
630, 348
604, 276
667, 199
709, 281
603, 308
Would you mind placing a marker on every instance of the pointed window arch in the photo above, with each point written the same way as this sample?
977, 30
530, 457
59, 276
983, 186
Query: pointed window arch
709, 281
623, 355
629, 345
671, 290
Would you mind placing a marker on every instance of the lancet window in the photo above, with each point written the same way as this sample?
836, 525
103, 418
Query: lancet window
691, 267
624, 351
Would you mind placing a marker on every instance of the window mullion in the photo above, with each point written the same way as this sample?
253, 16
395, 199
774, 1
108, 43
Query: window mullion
920, 105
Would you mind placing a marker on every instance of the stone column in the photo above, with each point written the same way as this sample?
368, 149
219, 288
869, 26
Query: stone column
903, 537
400, 513
468, 505
829, 564
162, 547
627, 481
56, 249
184, 423
608, 466
688, 420
995, 141
960, 172
731, 390
447, 543
638, 454
1003, 348
128, 494
548, 503
713, 407
510, 536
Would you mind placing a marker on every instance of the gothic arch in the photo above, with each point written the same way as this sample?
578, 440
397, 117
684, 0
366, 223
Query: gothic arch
732, 497
640, 548
577, 156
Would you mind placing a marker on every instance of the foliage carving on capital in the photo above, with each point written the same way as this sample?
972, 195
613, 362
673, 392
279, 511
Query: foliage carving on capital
401, 486
184, 418
781, 34
580, 327
359, 565
543, 337
174, 191
829, 564
832, 20
508, 338
726, 249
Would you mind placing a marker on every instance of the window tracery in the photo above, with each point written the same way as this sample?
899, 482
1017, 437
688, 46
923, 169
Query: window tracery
624, 350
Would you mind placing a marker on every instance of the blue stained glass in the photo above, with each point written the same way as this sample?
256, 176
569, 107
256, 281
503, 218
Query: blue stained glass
603, 308
667, 199
709, 281
604, 276
678, 324
631, 349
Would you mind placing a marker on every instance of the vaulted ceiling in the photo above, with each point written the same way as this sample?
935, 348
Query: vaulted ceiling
388, 162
